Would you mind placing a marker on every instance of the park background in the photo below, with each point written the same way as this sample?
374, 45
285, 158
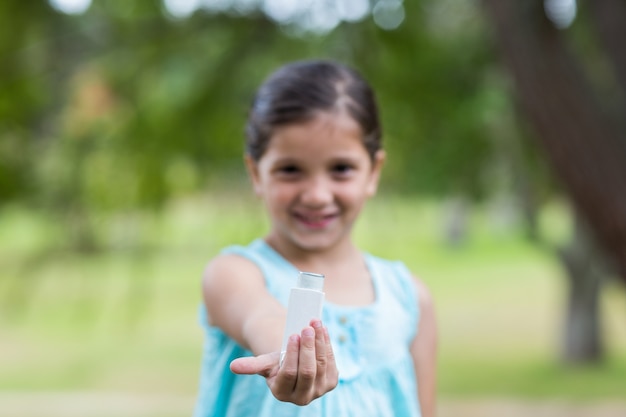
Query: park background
121, 142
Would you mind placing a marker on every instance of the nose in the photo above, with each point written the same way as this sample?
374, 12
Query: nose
317, 192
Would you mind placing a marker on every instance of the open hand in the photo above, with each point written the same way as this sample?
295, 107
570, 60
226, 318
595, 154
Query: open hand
308, 370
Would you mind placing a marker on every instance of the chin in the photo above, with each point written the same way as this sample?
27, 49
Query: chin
316, 244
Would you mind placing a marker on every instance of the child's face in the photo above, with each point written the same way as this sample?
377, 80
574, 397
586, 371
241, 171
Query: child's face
314, 178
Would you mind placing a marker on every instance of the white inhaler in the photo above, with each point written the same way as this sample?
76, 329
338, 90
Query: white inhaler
305, 303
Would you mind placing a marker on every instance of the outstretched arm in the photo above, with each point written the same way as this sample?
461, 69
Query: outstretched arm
238, 302
424, 352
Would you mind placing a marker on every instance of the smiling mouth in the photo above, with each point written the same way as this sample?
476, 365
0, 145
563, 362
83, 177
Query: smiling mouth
315, 222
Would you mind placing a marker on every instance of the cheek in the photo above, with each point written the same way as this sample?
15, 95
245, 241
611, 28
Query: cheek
353, 195
280, 196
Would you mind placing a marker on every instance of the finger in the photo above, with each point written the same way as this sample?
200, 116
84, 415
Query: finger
320, 346
251, 365
287, 374
320, 358
307, 364
332, 374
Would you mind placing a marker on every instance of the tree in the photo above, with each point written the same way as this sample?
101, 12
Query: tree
583, 141
127, 107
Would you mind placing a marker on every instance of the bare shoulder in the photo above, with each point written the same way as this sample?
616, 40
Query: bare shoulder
229, 282
229, 270
424, 295
424, 350
238, 302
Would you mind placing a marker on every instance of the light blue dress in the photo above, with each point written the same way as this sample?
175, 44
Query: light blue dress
371, 346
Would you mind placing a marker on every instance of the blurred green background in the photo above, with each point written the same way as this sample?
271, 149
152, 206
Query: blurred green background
121, 175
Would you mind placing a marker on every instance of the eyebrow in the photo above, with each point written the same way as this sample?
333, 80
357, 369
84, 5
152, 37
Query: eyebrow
286, 160
341, 157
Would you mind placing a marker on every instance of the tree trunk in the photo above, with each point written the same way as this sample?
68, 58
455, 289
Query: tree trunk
584, 145
455, 221
609, 18
582, 333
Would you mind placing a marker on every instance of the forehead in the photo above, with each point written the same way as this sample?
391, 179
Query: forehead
325, 131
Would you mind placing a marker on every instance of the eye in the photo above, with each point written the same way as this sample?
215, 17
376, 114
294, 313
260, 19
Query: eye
342, 169
288, 171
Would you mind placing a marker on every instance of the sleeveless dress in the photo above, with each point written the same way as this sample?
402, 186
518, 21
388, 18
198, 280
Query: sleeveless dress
370, 343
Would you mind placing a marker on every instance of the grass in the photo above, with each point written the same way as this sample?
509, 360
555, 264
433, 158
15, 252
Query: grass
125, 319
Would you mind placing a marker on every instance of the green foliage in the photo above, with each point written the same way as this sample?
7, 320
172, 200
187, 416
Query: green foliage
125, 107
431, 90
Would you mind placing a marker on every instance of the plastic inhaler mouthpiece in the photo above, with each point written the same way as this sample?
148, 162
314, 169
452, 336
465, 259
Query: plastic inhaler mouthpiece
306, 300
310, 281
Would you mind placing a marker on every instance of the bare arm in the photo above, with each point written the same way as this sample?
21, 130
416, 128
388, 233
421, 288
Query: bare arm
238, 302
424, 352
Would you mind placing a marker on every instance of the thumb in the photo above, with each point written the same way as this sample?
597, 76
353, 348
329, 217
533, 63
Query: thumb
251, 365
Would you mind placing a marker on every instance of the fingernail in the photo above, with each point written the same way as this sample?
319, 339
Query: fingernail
294, 338
308, 332
316, 324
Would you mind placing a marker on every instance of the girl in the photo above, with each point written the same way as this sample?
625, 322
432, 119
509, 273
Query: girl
314, 157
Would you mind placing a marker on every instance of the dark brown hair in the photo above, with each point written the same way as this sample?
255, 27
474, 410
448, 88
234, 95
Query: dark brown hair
296, 91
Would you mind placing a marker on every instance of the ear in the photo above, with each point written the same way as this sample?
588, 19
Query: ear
377, 167
253, 172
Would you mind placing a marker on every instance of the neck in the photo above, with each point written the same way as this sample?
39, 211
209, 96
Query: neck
312, 260
347, 279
